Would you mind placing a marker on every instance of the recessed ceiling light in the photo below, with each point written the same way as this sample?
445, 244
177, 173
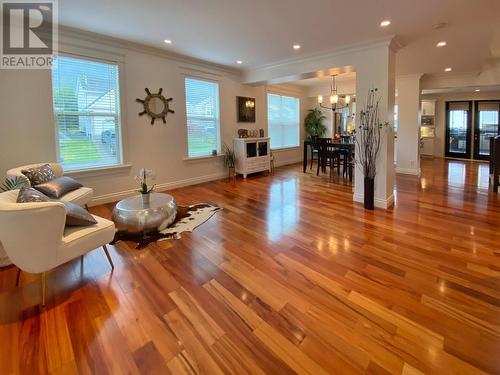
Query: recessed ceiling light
448, 70
441, 44
45, 8
477, 90
168, 41
296, 46
385, 23
239, 62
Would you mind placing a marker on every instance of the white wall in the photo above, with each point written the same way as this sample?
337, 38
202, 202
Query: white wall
408, 141
441, 99
27, 130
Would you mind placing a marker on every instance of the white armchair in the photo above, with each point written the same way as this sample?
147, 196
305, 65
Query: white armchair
80, 196
36, 240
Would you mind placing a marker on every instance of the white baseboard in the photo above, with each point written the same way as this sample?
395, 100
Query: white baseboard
280, 163
113, 197
378, 202
411, 171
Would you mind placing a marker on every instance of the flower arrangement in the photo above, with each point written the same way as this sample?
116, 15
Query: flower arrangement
142, 180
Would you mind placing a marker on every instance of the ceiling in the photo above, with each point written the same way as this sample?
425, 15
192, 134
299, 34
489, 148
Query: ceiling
260, 32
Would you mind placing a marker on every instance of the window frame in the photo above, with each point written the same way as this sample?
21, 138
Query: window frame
218, 117
120, 117
281, 94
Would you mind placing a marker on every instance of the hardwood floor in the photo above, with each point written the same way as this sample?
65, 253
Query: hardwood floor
290, 277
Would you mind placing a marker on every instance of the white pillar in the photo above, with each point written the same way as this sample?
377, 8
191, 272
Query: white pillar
408, 141
378, 72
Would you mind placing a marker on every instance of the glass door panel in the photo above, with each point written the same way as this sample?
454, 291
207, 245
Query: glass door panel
458, 129
486, 127
262, 148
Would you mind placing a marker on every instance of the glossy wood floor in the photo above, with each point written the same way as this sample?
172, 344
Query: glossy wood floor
290, 277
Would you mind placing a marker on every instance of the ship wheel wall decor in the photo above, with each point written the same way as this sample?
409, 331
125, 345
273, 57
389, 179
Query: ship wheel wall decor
155, 105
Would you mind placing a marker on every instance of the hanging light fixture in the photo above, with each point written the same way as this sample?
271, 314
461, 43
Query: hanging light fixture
334, 98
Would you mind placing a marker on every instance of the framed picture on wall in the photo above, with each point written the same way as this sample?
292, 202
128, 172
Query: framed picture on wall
246, 109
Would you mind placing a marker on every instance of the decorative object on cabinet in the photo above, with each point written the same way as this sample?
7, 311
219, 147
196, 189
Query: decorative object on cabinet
252, 155
242, 133
229, 160
246, 109
155, 105
261, 133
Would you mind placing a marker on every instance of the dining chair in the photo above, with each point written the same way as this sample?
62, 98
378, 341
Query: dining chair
328, 155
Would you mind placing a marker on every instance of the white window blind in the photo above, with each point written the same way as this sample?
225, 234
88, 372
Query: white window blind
283, 119
86, 102
202, 111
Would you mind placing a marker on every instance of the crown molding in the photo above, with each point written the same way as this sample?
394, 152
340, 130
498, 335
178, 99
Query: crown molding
100, 41
371, 44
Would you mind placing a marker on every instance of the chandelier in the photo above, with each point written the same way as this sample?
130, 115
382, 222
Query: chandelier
334, 98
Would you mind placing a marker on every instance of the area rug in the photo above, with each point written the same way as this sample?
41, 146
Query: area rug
187, 219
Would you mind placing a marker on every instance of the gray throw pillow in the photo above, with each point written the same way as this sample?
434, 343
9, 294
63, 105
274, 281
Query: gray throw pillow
58, 187
78, 216
39, 175
28, 195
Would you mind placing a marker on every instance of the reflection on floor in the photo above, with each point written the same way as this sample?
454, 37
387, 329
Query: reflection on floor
291, 276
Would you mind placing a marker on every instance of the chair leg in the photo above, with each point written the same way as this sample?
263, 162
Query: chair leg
86, 207
43, 288
18, 277
108, 256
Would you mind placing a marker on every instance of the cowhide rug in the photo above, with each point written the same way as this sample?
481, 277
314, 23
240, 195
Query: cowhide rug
187, 219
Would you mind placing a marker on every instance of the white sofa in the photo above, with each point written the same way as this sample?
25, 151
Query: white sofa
36, 240
80, 196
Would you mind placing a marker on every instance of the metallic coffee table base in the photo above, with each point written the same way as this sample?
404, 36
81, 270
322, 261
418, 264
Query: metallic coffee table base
133, 216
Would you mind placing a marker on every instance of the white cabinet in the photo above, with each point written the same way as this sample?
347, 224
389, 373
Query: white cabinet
252, 155
428, 108
427, 146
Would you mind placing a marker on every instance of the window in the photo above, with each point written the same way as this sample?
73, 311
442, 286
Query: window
202, 112
283, 120
86, 102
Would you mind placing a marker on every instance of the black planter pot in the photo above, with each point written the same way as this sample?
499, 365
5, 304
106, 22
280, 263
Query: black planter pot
369, 193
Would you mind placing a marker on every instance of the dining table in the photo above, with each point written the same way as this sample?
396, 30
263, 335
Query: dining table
308, 145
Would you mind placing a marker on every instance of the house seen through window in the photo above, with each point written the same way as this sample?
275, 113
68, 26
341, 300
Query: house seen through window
203, 118
86, 103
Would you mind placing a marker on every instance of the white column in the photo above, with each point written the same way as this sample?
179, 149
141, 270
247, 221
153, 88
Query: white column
408, 141
378, 72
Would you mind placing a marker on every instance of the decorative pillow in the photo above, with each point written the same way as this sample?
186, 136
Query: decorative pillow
58, 187
28, 195
77, 216
39, 175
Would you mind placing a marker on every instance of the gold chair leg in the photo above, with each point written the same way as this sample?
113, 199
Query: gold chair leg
18, 277
108, 256
43, 288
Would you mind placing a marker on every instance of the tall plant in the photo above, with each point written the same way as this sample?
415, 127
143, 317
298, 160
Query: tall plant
229, 156
314, 123
369, 135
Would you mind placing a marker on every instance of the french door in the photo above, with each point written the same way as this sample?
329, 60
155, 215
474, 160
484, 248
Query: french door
486, 125
458, 129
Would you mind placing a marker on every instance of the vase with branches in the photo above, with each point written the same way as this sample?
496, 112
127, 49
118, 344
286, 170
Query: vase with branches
313, 123
368, 137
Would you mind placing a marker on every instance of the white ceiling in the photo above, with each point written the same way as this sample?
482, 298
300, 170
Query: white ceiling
263, 31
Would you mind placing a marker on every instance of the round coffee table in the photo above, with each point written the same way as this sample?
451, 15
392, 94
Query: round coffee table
131, 215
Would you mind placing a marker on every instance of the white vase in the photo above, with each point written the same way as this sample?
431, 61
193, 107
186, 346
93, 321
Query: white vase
145, 199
